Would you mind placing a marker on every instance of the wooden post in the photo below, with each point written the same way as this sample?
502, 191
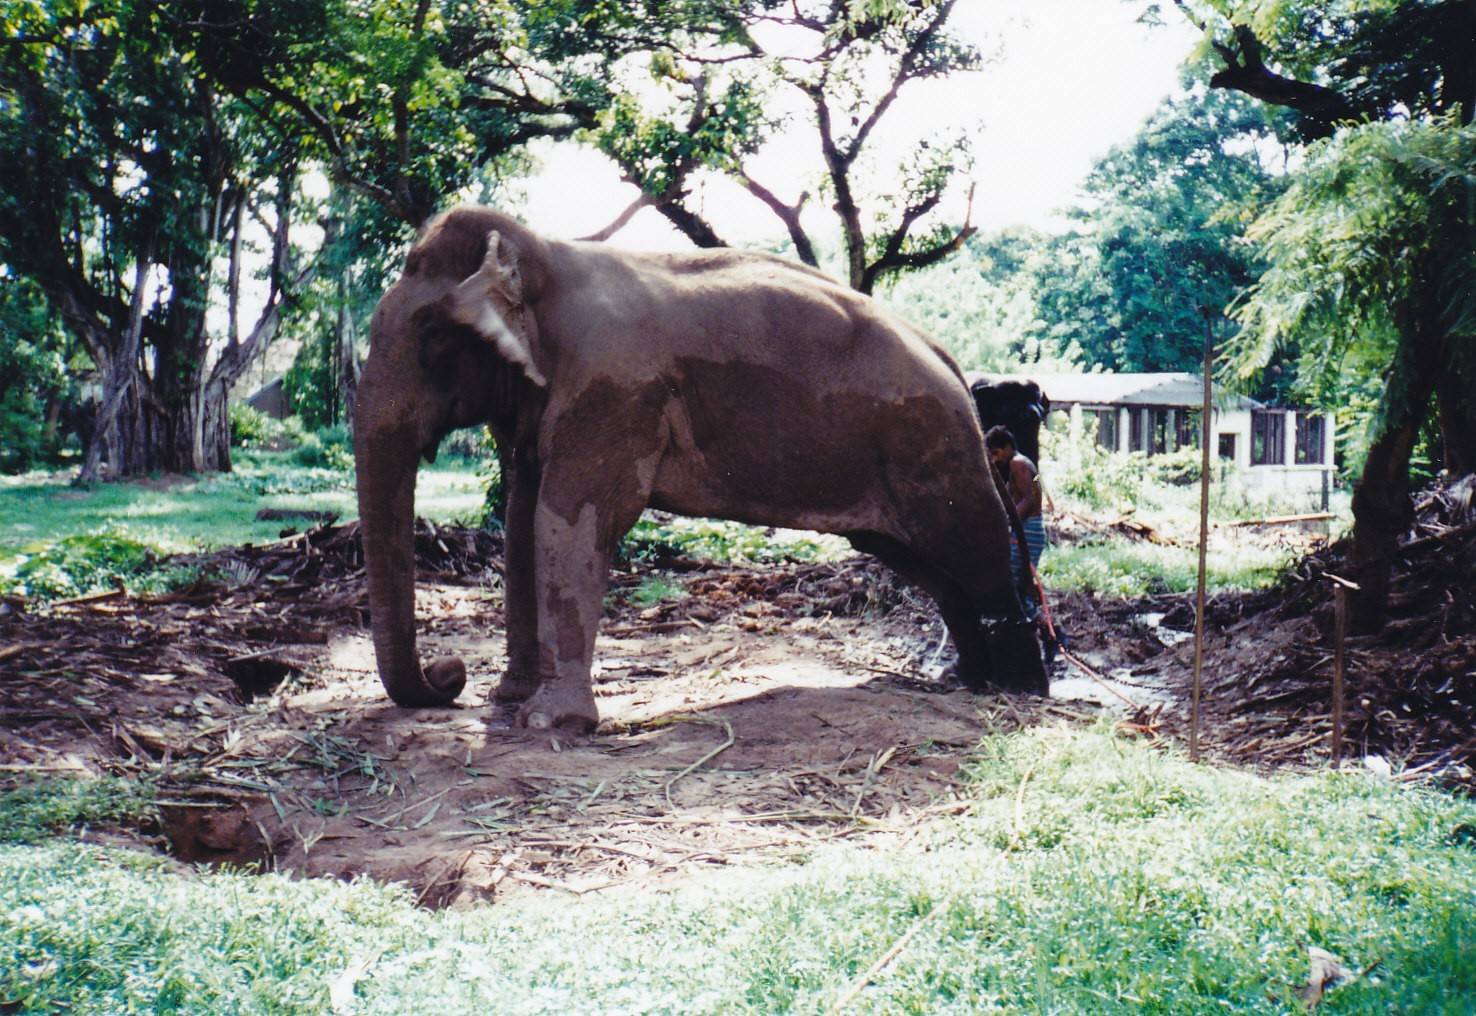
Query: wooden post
1341, 586
1204, 503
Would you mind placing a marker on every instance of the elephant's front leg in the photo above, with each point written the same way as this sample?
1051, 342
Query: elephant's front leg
572, 558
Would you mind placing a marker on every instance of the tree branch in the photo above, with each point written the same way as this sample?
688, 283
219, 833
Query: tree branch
905, 72
893, 260
788, 214
1246, 71
622, 220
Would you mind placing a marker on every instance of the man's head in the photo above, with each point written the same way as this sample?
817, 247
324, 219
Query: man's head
1000, 443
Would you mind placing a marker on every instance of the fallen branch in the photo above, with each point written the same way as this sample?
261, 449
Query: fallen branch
705, 758
1089, 672
1278, 520
90, 598
886, 958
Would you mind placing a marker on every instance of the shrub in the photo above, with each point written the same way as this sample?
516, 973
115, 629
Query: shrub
76, 565
330, 448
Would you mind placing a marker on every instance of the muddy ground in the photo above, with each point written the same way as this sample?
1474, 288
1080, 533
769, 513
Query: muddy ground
753, 712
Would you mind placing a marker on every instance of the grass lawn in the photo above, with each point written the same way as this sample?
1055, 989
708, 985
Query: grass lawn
1090, 874
82, 537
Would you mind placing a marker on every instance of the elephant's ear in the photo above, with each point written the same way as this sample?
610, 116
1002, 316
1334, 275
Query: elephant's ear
490, 301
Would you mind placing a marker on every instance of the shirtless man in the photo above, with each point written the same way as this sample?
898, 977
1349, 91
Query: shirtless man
1022, 481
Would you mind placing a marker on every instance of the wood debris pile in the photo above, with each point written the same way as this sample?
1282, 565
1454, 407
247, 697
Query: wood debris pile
1411, 688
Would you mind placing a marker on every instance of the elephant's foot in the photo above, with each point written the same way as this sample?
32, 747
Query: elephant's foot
564, 705
1015, 657
515, 686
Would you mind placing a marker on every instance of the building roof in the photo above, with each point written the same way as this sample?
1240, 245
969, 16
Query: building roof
1179, 389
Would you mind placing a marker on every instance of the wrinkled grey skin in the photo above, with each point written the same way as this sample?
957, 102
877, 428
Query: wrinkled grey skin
710, 383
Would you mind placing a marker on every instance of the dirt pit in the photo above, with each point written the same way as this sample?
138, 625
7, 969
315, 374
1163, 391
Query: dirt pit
748, 713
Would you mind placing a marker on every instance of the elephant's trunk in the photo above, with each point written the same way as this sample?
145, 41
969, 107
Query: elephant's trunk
385, 461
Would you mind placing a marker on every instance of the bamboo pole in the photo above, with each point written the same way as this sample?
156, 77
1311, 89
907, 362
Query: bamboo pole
1204, 501
1341, 586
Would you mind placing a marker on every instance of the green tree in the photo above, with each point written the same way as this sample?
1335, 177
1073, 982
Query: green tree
1161, 238
1373, 266
38, 396
1345, 61
1397, 79
709, 109
152, 155
983, 304
128, 189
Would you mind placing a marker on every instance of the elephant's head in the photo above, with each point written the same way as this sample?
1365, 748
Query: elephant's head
453, 343
1016, 403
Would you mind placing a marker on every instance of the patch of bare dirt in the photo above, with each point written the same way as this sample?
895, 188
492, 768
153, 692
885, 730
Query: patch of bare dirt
761, 711
758, 712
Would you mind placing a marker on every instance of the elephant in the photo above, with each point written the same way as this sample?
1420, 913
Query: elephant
711, 383
1020, 405
1016, 403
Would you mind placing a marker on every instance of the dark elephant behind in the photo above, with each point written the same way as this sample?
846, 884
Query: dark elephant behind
1016, 403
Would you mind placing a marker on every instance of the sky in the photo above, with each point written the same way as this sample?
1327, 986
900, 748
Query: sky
1072, 79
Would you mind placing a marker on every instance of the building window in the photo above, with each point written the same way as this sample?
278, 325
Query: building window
1106, 427
1188, 429
1158, 418
1268, 438
1311, 437
1227, 447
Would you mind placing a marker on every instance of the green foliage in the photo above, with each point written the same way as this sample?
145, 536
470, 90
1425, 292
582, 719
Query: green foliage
980, 305
661, 153
1127, 570
657, 535
1163, 239
331, 448
251, 428
1089, 875
118, 161
36, 389
80, 564
724, 77
70, 539
1162, 491
43, 808
654, 590
1344, 61
1372, 276
311, 384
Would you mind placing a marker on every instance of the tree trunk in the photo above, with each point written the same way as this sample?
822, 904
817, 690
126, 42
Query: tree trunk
1455, 405
1381, 515
347, 354
1381, 504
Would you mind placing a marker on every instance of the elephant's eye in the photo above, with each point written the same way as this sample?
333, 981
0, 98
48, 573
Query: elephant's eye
437, 345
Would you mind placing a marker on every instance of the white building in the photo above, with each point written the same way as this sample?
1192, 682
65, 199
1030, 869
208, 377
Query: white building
1274, 449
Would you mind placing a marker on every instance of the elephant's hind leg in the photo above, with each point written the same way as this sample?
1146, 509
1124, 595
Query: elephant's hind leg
997, 645
519, 597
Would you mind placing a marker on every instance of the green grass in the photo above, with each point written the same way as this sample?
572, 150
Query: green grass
74, 540
37, 809
1120, 568
1090, 875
